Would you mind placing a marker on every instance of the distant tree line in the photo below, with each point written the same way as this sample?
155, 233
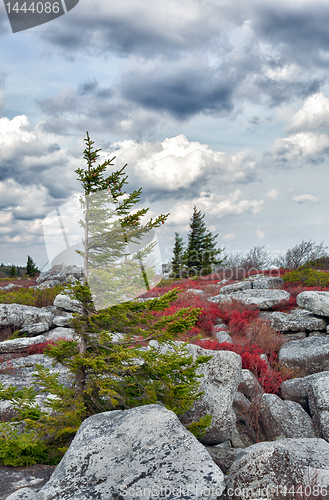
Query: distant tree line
13, 271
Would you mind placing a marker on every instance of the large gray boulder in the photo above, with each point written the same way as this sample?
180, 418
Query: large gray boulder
268, 282
297, 320
60, 273
262, 298
134, 454
316, 302
264, 470
236, 287
296, 389
284, 419
221, 377
309, 355
19, 316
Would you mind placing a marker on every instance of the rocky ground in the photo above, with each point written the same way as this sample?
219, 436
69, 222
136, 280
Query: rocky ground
146, 452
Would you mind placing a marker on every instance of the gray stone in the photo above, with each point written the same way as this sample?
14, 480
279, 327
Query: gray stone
62, 320
19, 316
222, 336
34, 329
235, 287
263, 299
10, 286
124, 452
317, 302
64, 302
285, 419
22, 494
196, 291
318, 395
60, 273
310, 355
223, 456
249, 385
296, 389
221, 378
264, 469
22, 344
297, 320
268, 282
47, 284
22, 479
324, 424
241, 407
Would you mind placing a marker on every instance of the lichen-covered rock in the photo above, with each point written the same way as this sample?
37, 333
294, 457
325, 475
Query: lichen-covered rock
285, 419
34, 329
263, 470
262, 298
296, 389
62, 320
268, 282
222, 375
318, 399
222, 336
223, 456
235, 287
309, 355
19, 316
64, 302
296, 321
324, 424
127, 453
249, 385
316, 302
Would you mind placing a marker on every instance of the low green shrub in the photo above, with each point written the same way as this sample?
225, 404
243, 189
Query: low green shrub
31, 296
308, 277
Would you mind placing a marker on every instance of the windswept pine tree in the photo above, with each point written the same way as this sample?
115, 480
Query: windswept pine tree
108, 365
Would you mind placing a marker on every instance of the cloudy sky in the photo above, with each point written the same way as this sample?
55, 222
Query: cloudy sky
216, 103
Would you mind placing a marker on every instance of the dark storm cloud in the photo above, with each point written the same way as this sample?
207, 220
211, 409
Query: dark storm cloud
301, 32
180, 89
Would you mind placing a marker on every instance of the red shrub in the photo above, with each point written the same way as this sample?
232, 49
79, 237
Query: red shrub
39, 348
269, 378
238, 315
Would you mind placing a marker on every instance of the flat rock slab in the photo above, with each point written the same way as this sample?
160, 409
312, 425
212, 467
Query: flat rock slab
296, 321
14, 478
316, 302
21, 344
309, 355
264, 469
262, 298
132, 454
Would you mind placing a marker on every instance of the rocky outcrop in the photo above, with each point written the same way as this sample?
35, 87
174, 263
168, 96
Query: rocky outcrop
120, 453
249, 385
318, 398
298, 320
309, 355
316, 302
20, 316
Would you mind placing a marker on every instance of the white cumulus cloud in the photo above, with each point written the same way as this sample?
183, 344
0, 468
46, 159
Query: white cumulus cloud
304, 198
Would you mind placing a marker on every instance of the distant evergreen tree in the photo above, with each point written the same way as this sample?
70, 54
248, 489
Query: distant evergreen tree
177, 261
201, 251
17, 271
31, 267
12, 271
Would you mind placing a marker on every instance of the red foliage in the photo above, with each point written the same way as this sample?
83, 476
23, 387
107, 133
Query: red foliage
269, 378
238, 316
39, 348
285, 305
